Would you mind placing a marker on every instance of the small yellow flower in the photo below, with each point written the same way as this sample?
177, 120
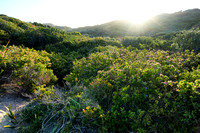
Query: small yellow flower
88, 107
84, 111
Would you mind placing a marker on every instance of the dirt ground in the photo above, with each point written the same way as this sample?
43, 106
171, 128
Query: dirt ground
16, 102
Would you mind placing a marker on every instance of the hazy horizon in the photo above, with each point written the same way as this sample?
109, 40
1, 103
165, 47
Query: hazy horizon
79, 13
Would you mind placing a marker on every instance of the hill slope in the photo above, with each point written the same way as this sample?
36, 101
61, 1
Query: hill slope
182, 20
30, 34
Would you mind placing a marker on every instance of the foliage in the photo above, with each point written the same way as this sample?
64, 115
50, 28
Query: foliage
27, 67
145, 89
124, 84
64, 53
143, 42
179, 41
11, 115
188, 40
33, 35
33, 114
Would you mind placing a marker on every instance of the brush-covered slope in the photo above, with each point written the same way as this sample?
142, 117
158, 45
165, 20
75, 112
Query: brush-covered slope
182, 20
30, 34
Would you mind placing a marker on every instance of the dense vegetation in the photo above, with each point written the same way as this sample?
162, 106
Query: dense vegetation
131, 84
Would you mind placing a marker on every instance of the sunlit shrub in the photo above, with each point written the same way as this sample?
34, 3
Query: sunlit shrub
27, 66
142, 42
141, 91
188, 40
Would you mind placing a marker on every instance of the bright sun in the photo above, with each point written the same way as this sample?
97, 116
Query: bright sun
139, 19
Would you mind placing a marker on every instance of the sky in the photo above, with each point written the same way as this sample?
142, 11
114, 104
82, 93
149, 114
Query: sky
79, 13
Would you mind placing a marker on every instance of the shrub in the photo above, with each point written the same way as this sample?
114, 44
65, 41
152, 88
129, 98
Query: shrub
34, 114
141, 91
142, 42
27, 67
188, 40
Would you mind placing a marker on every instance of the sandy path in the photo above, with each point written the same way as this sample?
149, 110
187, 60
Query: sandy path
16, 102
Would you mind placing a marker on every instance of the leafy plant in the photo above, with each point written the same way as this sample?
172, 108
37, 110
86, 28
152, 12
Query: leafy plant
29, 67
11, 115
141, 88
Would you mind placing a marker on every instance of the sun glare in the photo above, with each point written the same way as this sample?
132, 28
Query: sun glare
138, 19
134, 11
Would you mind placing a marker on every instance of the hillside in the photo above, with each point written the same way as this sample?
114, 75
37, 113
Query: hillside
63, 28
30, 34
182, 20
178, 21
112, 29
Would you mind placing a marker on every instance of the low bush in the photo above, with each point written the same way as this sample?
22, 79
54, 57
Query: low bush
188, 40
27, 67
141, 91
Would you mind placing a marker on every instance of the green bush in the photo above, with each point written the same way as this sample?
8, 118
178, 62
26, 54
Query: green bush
27, 67
64, 53
34, 114
141, 91
188, 40
142, 42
